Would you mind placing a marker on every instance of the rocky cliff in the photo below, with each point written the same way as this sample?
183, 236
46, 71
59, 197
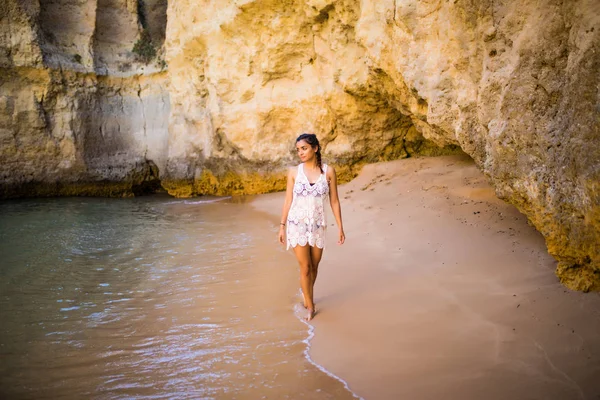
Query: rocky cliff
114, 96
80, 113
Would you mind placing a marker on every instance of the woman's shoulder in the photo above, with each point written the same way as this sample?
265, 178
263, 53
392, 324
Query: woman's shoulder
329, 173
329, 169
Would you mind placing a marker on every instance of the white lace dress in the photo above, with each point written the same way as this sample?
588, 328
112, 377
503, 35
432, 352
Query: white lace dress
306, 219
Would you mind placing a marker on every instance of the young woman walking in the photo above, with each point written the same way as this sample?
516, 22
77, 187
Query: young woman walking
309, 185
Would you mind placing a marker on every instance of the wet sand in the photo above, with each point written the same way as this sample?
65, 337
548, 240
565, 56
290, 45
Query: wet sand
444, 291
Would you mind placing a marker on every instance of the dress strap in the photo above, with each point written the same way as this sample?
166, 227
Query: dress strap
300, 170
325, 169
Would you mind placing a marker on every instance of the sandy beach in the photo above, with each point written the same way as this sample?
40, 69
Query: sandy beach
443, 290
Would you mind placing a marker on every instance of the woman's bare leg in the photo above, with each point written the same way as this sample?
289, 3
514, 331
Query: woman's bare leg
315, 257
305, 262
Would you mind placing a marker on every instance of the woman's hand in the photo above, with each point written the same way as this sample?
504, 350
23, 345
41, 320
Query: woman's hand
342, 237
281, 234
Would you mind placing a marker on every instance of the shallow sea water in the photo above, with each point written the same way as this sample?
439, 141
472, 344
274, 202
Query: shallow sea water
149, 298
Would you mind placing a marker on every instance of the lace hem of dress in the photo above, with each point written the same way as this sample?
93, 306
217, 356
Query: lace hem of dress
312, 240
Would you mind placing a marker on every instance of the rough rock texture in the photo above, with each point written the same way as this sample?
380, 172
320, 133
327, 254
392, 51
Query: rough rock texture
67, 128
64, 133
514, 84
248, 77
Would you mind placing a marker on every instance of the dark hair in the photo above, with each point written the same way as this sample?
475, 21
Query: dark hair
311, 139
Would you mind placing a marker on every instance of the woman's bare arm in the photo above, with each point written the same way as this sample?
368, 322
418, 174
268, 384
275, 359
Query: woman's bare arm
291, 178
334, 200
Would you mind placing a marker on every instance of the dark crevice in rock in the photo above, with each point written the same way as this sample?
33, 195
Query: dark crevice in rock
323, 15
153, 18
150, 182
125, 37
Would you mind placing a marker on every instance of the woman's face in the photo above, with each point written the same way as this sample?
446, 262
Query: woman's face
305, 151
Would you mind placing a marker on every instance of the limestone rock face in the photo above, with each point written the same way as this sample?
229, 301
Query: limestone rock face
66, 127
516, 84
110, 96
246, 78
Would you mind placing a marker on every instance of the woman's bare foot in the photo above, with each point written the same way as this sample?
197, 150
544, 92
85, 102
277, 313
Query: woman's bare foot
311, 314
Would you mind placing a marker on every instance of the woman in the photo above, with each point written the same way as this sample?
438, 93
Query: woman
308, 187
